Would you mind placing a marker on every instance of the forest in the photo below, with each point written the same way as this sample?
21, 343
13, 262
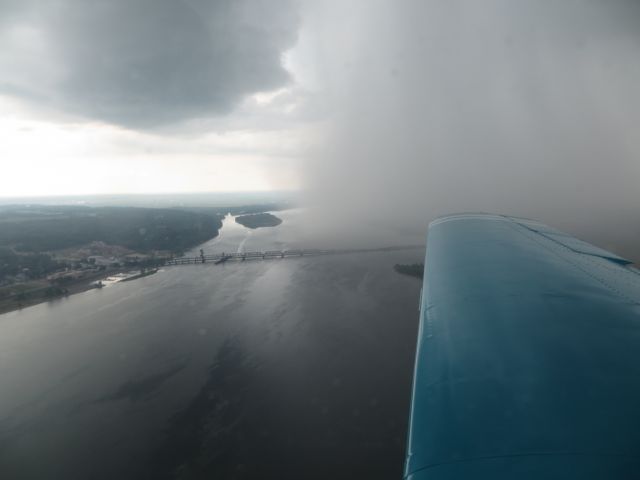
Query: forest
45, 228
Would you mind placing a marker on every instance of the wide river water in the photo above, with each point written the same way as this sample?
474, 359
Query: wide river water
285, 368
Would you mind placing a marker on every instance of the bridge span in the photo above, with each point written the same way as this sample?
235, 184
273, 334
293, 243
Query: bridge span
218, 258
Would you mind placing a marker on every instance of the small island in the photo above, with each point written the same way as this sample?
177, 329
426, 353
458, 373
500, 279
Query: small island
414, 270
258, 220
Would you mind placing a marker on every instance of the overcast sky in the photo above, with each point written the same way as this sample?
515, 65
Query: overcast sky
426, 106
126, 96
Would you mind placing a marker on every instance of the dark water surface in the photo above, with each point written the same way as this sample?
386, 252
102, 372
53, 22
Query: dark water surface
294, 368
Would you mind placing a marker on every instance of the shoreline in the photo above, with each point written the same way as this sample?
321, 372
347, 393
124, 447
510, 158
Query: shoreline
12, 304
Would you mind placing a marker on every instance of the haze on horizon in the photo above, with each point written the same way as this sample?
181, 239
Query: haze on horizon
407, 109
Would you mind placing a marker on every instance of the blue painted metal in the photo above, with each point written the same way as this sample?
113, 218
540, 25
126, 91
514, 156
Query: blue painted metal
528, 360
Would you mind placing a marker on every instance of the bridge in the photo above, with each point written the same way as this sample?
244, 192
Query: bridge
219, 258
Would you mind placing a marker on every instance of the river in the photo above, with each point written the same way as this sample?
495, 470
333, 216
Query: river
283, 368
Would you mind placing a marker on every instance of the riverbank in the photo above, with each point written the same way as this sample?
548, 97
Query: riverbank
143, 273
415, 270
38, 292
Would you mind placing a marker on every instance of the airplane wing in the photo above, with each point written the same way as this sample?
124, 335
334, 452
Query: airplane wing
528, 359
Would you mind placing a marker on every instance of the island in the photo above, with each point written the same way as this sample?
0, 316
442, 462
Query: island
414, 270
258, 220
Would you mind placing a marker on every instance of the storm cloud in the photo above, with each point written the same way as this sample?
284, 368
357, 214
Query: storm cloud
144, 63
518, 107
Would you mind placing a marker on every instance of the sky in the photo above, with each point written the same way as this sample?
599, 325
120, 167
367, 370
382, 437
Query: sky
402, 109
151, 96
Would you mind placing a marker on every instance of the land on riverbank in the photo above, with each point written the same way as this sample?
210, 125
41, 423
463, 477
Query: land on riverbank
414, 270
48, 251
22, 295
143, 273
35, 228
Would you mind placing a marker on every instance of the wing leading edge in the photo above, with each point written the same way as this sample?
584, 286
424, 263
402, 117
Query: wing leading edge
528, 359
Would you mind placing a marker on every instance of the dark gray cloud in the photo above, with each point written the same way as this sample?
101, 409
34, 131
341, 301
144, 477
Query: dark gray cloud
142, 63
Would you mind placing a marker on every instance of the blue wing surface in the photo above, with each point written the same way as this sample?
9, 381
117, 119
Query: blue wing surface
528, 358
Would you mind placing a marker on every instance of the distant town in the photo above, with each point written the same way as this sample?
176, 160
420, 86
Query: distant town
52, 251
